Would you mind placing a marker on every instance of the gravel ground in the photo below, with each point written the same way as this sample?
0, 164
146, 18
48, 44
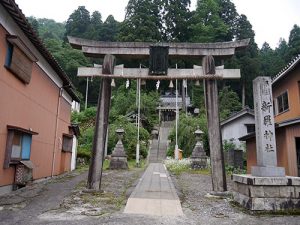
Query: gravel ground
201, 208
65, 201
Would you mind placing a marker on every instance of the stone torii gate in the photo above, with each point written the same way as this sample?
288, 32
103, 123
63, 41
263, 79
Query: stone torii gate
141, 50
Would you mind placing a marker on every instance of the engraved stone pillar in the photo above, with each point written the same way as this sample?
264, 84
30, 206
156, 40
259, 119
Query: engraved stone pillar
265, 130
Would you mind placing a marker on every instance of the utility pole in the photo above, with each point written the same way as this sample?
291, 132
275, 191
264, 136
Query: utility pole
86, 92
176, 122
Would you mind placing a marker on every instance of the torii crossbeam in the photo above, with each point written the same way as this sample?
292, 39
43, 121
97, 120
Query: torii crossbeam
141, 50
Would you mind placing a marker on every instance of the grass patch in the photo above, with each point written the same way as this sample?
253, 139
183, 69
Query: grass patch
178, 167
82, 168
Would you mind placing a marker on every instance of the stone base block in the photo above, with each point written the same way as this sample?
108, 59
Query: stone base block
199, 163
267, 193
118, 163
268, 171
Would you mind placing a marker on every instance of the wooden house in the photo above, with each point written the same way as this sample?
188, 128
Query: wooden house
35, 97
237, 125
286, 97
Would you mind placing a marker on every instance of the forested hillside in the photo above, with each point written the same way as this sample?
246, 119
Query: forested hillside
171, 21
164, 21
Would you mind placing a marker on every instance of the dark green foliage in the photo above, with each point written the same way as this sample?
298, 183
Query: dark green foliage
95, 24
176, 16
271, 62
207, 25
78, 23
282, 51
228, 102
110, 29
186, 139
130, 137
294, 42
34, 24
247, 60
230, 17
142, 21
69, 59
124, 101
86, 121
198, 97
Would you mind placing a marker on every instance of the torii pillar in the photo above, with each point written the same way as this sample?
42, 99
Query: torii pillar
95, 170
213, 121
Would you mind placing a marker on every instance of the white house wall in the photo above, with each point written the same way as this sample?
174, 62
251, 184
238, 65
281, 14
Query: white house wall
236, 129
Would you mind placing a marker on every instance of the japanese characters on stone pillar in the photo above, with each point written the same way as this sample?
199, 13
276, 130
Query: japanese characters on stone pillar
265, 130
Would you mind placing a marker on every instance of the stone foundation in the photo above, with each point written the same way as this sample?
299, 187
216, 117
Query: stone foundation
118, 163
267, 193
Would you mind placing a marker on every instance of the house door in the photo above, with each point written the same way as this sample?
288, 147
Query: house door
298, 154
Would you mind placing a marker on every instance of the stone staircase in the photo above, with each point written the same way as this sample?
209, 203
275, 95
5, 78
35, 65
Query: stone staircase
159, 147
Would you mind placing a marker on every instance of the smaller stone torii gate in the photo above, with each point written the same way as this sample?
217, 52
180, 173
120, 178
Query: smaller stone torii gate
159, 54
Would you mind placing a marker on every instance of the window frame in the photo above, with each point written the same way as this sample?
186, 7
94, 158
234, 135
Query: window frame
19, 54
280, 100
67, 147
11, 131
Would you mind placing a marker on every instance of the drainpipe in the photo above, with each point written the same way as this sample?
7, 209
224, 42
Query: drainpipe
56, 128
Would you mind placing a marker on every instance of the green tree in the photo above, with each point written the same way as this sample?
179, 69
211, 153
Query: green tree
34, 23
282, 51
186, 139
94, 30
51, 29
294, 42
270, 61
110, 29
247, 60
207, 25
142, 21
176, 17
229, 102
78, 23
230, 17
130, 137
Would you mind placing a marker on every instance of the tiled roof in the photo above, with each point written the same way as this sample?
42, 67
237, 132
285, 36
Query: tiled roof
16, 13
236, 115
286, 69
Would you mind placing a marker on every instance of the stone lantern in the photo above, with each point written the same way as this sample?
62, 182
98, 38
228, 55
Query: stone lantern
118, 156
199, 158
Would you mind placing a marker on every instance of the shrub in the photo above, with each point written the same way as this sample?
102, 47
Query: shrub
177, 166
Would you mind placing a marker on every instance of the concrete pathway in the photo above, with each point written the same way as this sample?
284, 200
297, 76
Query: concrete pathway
155, 194
159, 147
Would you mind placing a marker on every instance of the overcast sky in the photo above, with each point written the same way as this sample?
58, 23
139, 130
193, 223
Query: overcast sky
271, 19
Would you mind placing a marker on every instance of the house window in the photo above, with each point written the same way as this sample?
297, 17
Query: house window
19, 59
282, 102
8, 58
67, 143
18, 145
250, 128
